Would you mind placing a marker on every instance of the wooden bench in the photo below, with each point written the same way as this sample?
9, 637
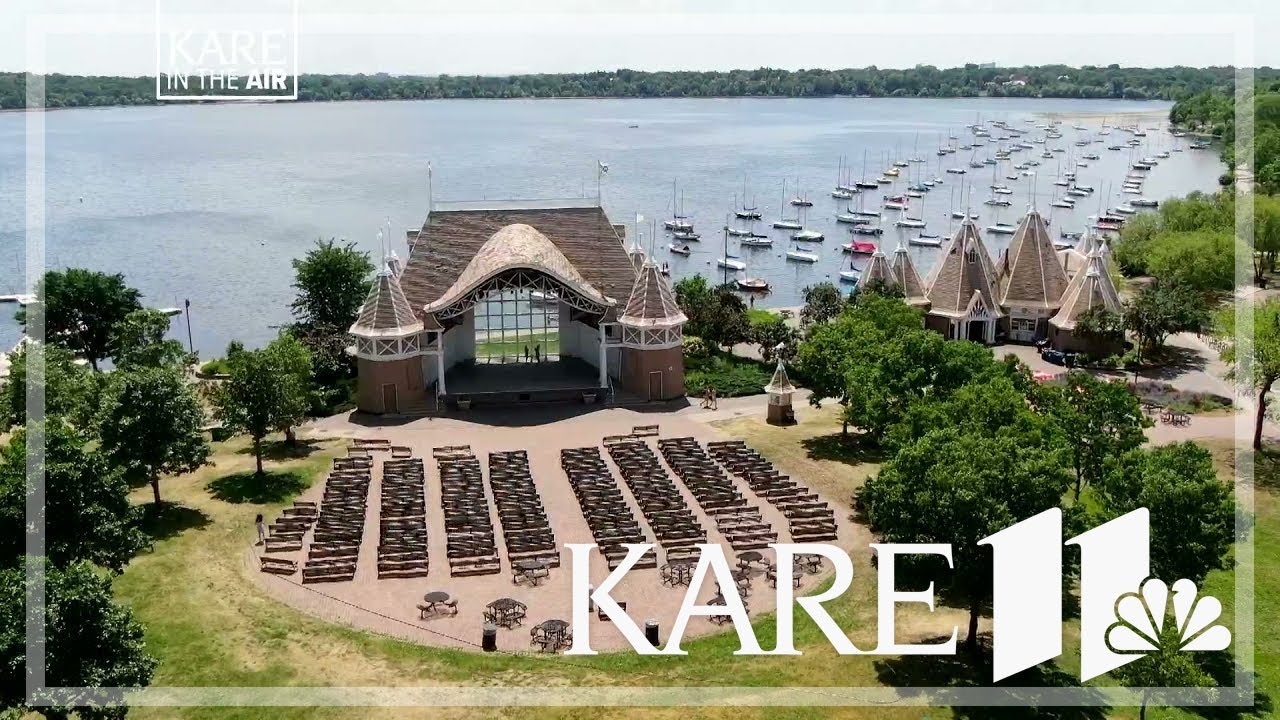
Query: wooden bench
278, 566
644, 431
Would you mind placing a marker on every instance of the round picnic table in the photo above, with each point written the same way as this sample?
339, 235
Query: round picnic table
749, 557
436, 596
553, 626
531, 564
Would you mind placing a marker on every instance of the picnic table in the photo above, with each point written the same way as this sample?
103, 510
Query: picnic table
772, 575
530, 569
720, 601
1175, 418
505, 612
677, 573
809, 562
550, 635
749, 558
437, 602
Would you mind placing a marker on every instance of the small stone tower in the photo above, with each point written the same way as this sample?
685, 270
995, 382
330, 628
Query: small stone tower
780, 391
652, 338
388, 349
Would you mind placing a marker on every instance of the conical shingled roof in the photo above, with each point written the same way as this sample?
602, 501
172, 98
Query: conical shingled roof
652, 302
965, 269
780, 384
904, 272
1091, 287
386, 312
878, 270
1034, 276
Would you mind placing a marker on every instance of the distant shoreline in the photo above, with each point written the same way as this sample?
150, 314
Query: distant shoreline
1083, 114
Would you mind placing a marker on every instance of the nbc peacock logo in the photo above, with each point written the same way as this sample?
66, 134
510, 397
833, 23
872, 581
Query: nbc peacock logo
1142, 616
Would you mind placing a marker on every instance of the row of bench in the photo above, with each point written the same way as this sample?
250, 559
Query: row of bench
402, 520
809, 517
525, 526
608, 516
737, 520
339, 528
674, 525
468, 527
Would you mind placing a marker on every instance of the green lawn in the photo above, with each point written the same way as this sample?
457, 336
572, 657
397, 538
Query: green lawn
209, 625
548, 340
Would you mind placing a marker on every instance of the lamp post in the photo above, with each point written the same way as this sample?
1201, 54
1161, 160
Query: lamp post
186, 310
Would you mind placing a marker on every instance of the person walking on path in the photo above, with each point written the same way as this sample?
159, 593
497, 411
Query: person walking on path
714, 404
262, 529
537, 353
526, 353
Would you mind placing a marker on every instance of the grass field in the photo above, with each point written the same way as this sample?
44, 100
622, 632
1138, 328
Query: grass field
209, 625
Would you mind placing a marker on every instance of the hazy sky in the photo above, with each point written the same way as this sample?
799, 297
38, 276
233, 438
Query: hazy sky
116, 37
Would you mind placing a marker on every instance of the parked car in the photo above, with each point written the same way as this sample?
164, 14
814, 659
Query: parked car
1058, 357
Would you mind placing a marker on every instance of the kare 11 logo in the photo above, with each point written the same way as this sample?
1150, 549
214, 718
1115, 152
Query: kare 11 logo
246, 50
1124, 613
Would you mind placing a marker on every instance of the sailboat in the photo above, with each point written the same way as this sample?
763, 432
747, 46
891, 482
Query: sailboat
746, 213
796, 254
679, 221
851, 275
785, 223
745, 282
912, 222
1001, 228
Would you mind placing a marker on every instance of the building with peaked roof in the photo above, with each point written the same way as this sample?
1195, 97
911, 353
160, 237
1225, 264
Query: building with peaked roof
1089, 289
520, 301
877, 271
907, 279
962, 289
1032, 280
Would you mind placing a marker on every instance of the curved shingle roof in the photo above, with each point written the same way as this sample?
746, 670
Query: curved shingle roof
652, 303
386, 312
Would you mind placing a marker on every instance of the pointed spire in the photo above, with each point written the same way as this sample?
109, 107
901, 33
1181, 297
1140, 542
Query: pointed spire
386, 311
1091, 287
904, 272
878, 270
1033, 275
965, 269
780, 384
652, 303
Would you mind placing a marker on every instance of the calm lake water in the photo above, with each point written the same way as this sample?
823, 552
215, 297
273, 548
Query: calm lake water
211, 203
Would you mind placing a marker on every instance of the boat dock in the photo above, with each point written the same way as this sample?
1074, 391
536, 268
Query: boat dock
20, 298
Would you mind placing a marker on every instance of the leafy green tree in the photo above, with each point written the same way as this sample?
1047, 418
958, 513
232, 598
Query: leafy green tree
1100, 325
152, 425
70, 391
905, 369
957, 487
1192, 511
1203, 260
1161, 309
1257, 361
82, 309
90, 641
332, 281
1266, 232
832, 349
992, 404
1099, 419
772, 333
86, 510
717, 315
140, 341
1166, 667
822, 302
268, 391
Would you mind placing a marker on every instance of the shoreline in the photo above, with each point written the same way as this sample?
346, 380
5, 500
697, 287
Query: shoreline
167, 103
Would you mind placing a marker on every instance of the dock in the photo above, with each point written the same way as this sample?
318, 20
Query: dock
20, 298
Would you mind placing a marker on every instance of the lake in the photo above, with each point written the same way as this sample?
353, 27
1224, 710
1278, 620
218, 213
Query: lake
211, 203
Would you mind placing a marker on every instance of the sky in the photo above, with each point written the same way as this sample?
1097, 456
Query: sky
494, 37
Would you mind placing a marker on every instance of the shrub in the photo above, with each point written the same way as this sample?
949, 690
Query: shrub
728, 374
1185, 401
695, 347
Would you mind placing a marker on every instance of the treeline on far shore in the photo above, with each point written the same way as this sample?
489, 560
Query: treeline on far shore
971, 80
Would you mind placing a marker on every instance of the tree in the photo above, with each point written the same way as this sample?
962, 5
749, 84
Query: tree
772, 333
1203, 260
1100, 325
86, 510
831, 349
70, 390
1166, 667
1256, 360
90, 640
82, 309
140, 341
1192, 511
1161, 309
822, 302
332, 281
717, 315
1099, 419
152, 425
912, 366
267, 392
958, 488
